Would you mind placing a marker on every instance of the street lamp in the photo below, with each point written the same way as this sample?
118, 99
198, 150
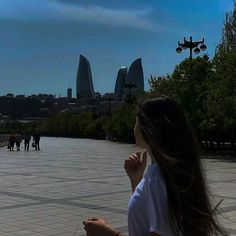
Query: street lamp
110, 98
192, 46
129, 86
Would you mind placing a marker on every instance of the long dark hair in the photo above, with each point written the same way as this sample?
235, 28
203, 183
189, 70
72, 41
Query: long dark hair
173, 145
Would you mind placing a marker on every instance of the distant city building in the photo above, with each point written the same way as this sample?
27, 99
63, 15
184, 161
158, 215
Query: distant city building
98, 95
69, 93
20, 96
10, 95
120, 83
84, 83
42, 97
109, 96
135, 75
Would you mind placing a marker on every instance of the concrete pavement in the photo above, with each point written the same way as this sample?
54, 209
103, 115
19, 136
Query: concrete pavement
51, 191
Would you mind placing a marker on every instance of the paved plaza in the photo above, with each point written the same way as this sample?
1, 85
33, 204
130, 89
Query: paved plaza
51, 191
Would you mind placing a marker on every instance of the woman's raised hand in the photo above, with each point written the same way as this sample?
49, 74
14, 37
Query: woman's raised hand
135, 166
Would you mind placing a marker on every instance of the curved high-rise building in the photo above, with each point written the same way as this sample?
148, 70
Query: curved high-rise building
135, 75
84, 83
120, 83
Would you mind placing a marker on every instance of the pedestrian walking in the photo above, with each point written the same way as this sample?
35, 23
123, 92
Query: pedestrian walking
18, 141
171, 198
12, 140
36, 140
27, 138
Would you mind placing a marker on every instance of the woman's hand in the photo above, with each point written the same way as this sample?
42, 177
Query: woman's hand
135, 167
98, 227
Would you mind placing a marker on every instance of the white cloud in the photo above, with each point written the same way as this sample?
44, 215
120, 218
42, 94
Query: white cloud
44, 9
116, 17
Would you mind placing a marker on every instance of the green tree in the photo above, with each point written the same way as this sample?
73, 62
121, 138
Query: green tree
83, 120
62, 121
220, 119
228, 41
73, 126
188, 85
122, 122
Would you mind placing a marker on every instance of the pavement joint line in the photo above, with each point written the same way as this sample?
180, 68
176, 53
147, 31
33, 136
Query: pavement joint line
28, 174
89, 206
98, 194
228, 209
69, 179
25, 196
16, 206
62, 201
224, 197
37, 198
92, 206
221, 181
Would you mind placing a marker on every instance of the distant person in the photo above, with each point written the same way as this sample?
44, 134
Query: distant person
18, 141
36, 139
27, 138
12, 140
171, 198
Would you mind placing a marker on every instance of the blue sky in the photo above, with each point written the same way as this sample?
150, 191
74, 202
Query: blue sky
41, 40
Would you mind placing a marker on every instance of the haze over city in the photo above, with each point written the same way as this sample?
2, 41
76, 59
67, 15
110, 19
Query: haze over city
41, 40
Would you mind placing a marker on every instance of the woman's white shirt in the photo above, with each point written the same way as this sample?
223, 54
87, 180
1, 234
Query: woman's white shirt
147, 211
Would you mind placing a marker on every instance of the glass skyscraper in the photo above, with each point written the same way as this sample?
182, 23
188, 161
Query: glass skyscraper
120, 83
135, 75
84, 83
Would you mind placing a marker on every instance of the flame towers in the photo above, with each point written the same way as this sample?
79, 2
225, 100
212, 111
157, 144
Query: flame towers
133, 79
120, 83
84, 83
135, 75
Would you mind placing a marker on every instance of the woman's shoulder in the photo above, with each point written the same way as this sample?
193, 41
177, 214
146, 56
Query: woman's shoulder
154, 172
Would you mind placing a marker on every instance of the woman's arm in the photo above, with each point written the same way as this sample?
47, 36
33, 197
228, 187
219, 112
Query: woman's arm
98, 227
135, 167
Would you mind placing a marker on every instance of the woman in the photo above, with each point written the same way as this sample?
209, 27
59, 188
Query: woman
171, 199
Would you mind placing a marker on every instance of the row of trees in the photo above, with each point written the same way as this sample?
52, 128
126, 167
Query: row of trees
118, 126
67, 124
